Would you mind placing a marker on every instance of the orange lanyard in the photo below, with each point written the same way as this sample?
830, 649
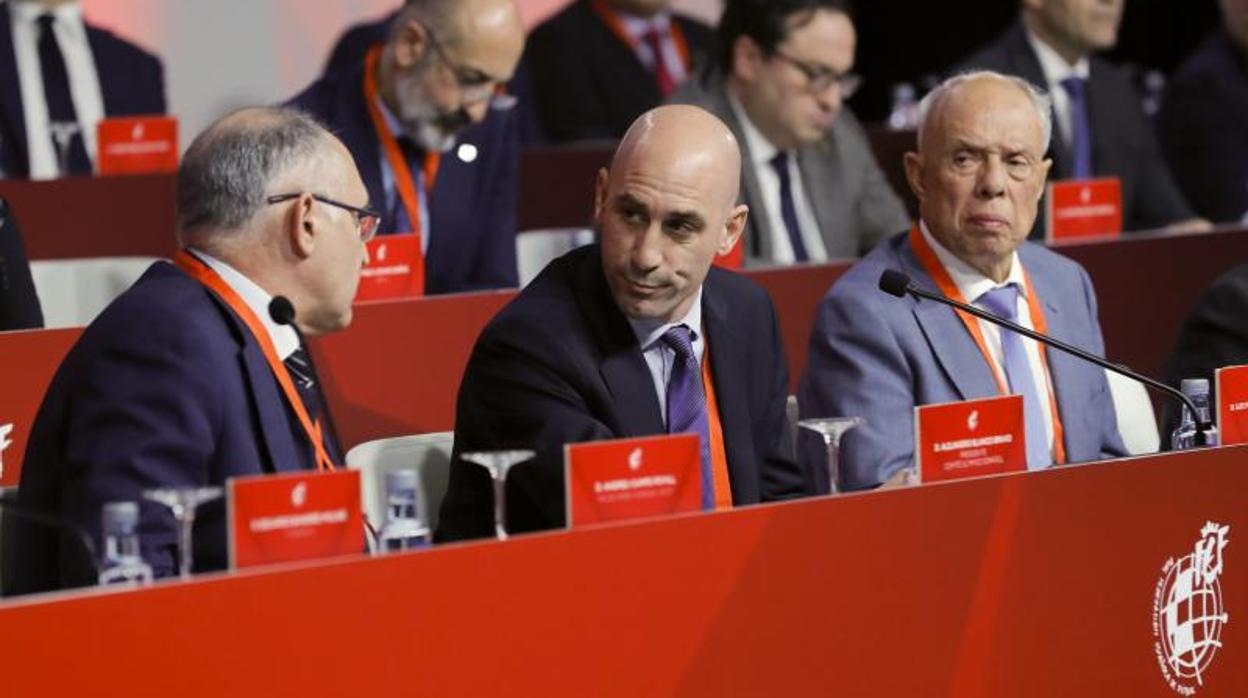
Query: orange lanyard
617, 27
715, 432
936, 270
404, 184
205, 275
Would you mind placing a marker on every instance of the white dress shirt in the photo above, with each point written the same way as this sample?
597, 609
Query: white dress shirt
1056, 69
660, 357
661, 23
973, 284
761, 154
284, 338
84, 83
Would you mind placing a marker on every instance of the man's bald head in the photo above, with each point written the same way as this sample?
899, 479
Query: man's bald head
666, 207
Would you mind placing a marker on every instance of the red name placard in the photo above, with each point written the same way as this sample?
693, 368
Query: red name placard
627, 479
1085, 208
958, 440
394, 270
137, 145
300, 516
1231, 385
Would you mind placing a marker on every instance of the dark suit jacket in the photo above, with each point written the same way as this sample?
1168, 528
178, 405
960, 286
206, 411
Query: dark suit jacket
19, 304
132, 82
1204, 129
1214, 335
165, 388
472, 240
1123, 142
587, 82
560, 364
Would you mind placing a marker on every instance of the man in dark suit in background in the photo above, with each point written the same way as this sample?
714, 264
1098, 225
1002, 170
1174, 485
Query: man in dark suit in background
57, 69
19, 304
172, 385
1101, 129
1204, 120
436, 128
598, 64
614, 341
809, 177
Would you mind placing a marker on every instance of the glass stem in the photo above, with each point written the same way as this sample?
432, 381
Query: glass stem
500, 505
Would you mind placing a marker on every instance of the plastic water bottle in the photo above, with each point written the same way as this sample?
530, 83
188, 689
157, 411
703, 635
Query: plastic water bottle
1184, 437
905, 113
405, 527
122, 563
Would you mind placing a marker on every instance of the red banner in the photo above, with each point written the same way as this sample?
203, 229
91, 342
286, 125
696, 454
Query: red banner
1232, 390
626, 479
297, 516
1086, 208
957, 440
137, 145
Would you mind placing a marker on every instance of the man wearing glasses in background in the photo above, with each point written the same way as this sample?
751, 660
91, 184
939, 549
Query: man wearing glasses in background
189, 377
809, 177
436, 145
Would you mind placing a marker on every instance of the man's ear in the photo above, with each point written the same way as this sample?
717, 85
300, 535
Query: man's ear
914, 174
302, 226
733, 229
600, 195
411, 43
1045, 166
747, 59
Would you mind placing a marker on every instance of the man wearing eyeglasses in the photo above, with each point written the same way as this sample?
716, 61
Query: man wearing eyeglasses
435, 141
809, 175
190, 377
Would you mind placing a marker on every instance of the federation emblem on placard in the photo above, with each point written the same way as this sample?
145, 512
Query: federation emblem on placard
1188, 615
5, 442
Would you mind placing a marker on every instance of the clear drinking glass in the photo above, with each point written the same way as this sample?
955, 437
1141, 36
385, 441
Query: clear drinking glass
832, 429
183, 501
499, 463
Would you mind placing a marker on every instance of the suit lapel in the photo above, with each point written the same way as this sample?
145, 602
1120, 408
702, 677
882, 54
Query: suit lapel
758, 227
11, 99
819, 166
358, 135
1067, 373
275, 421
729, 367
623, 369
947, 336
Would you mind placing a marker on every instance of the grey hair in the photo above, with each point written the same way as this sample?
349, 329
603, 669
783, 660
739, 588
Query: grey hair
225, 174
1039, 99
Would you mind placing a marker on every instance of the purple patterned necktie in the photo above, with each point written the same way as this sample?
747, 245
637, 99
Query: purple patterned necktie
686, 403
1004, 302
1080, 128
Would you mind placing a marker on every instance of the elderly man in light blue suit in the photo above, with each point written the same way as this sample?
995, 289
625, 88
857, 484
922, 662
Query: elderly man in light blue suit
978, 174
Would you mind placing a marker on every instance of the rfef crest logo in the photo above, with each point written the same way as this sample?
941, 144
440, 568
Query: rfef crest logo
1188, 614
5, 442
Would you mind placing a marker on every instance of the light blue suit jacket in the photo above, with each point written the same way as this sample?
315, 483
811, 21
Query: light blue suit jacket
876, 356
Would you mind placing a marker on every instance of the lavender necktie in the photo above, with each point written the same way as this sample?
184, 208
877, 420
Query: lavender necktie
686, 403
1004, 302
1080, 128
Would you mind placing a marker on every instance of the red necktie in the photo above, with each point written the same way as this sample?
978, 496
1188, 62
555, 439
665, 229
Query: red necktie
662, 74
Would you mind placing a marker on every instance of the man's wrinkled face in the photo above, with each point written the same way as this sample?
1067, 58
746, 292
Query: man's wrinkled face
980, 170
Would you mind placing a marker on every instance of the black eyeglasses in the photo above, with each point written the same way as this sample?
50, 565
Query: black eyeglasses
474, 84
366, 219
820, 77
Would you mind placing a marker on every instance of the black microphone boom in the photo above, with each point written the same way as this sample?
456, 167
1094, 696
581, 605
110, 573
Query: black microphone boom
898, 284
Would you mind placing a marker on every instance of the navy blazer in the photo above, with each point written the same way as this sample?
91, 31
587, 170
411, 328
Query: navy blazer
587, 82
875, 356
165, 388
19, 304
472, 239
132, 82
1204, 129
560, 364
1123, 142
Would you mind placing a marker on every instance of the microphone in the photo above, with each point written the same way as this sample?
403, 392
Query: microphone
283, 313
896, 283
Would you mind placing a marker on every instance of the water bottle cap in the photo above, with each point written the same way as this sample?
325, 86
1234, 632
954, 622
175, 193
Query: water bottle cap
405, 480
121, 516
1194, 386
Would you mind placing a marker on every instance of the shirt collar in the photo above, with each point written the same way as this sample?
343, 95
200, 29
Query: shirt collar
284, 338
1054, 67
650, 331
761, 150
68, 16
637, 27
969, 280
